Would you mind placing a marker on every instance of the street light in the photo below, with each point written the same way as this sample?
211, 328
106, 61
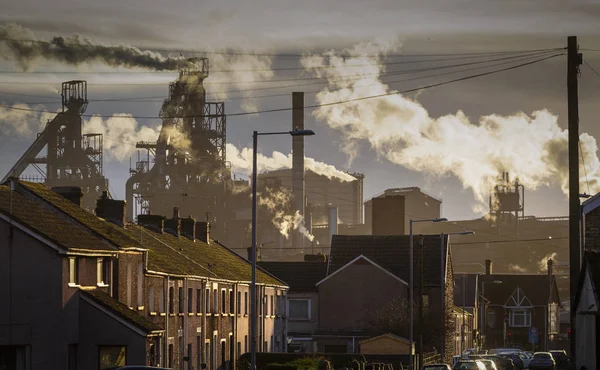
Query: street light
483, 310
411, 286
255, 136
442, 274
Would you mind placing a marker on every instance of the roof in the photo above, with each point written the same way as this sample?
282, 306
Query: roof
120, 309
357, 260
299, 276
166, 252
590, 204
48, 224
536, 288
387, 335
465, 290
592, 265
390, 252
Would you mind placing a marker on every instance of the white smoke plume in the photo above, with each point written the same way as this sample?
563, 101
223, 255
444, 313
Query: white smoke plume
121, 132
23, 121
543, 264
74, 50
276, 201
516, 268
243, 72
533, 148
241, 161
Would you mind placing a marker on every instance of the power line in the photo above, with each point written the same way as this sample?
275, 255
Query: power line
337, 102
231, 53
590, 67
341, 78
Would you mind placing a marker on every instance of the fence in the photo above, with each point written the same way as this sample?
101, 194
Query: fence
431, 358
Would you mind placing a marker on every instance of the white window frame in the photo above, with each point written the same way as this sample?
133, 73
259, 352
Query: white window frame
140, 286
151, 306
73, 271
298, 318
526, 315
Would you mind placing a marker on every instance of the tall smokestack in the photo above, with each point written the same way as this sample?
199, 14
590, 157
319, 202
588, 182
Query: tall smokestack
333, 222
298, 161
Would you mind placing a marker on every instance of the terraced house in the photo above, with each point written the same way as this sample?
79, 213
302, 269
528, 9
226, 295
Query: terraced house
84, 291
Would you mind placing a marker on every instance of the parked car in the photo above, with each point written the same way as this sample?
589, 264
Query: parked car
542, 361
489, 364
502, 363
469, 365
140, 367
561, 359
436, 367
515, 358
526, 357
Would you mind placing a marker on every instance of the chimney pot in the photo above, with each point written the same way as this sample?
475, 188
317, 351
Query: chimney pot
488, 267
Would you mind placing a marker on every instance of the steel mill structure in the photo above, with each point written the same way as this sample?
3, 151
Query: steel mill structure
72, 158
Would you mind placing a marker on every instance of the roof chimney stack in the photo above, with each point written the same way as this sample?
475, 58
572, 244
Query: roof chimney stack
188, 228
488, 267
110, 209
152, 222
173, 225
72, 193
203, 231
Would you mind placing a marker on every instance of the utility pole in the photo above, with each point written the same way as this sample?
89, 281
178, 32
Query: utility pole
574, 60
421, 291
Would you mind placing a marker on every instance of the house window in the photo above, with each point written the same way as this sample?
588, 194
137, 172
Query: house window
112, 356
161, 301
215, 307
151, 299
171, 300
207, 300
299, 309
140, 285
181, 301
190, 300
520, 318
207, 354
171, 353
491, 318
239, 302
223, 303
245, 344
245, 303
129, 304
231, 302
272, 306
73, 271
101, 272
239, 349
199, 305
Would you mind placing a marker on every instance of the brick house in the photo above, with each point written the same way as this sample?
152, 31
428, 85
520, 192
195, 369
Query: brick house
466, 288
302, 300
86, 291
367, 272
517, 303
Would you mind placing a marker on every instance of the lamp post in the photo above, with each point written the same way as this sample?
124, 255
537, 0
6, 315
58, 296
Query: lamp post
411, 287
443, 290
255, 136
483, 310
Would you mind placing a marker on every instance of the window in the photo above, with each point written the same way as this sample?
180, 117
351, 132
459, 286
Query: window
299, 309
223, 305
140, 284
245, 303
272, 344
171, 300
491, 318
272, 306
207, 354
161, 301
73, 271
239, 302
207, 300
111, 356
181, 301
231, 302
245, 344
239, 349
171, 353
425, 303
190, 300
100, 272
215, 307
151, 299
189, 355
520, 318
129, 304
199, 305
198, 351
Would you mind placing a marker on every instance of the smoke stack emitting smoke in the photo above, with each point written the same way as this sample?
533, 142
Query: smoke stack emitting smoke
74, 50
532, 147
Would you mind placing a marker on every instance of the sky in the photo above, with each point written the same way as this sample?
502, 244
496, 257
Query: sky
286, 27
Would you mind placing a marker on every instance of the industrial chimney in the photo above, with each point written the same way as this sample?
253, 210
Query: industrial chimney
298, 162
333, 222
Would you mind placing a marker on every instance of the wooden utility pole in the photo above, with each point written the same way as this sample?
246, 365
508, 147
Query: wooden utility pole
421, 291
574, 60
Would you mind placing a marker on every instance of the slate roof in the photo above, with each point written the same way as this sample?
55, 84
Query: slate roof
390, 252
299, 276
59, 230
120, 309
535, 287
469, 292
166, 253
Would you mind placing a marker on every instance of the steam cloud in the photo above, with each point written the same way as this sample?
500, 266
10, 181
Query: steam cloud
74, 50
276, 201
121, 131
543, 264
533, 148
241, 161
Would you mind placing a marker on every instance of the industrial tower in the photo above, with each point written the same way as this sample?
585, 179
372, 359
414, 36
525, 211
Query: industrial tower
189, 169
73, 158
